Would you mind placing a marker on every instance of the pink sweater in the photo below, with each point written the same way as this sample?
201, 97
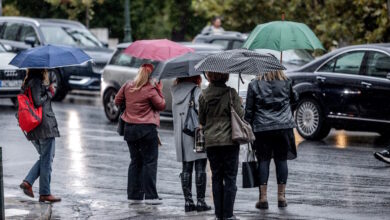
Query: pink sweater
142, 106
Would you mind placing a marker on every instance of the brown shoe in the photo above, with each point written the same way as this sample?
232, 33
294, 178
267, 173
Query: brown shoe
282, 202
262, 203
49, 198
27, 189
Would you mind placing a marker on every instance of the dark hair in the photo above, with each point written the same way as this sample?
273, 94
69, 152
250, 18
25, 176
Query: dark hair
34, 73
217, 77
193, 79
215, 18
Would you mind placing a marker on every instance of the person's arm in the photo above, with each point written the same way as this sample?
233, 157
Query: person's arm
156, 98
202, 110
249, 107
36, 93
120, 96
237, 105
293, 96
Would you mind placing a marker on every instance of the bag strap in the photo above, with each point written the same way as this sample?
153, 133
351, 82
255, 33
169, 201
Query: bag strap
192, 100
250, 153
29, 95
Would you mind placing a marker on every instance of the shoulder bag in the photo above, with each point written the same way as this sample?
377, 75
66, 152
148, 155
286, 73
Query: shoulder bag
192, 121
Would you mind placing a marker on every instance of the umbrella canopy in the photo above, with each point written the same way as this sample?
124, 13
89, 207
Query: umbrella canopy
160, 50
50, 56
240, 61
181, 66
282, 35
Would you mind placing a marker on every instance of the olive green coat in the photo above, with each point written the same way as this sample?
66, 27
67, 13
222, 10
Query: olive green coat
214, 114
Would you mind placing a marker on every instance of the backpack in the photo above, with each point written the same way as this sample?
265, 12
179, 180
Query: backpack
29, 117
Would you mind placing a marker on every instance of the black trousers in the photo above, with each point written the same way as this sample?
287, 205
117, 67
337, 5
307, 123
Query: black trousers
224, 166
142, 175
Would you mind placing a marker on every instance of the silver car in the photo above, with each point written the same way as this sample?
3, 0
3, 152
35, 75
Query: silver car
122, 68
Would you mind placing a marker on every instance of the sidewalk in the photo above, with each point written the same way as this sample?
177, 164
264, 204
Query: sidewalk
23, 208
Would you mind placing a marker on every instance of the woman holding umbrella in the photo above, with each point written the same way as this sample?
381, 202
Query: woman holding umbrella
185, 94
144, 101
222, 152
268, 109
43, 136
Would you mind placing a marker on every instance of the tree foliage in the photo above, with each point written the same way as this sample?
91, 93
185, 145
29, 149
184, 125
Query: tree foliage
335, 22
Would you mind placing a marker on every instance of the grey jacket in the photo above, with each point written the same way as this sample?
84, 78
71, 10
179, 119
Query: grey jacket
42, 97
181, 95
268, 105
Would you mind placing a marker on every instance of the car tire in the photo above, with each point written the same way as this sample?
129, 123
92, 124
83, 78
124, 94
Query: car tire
111, 110
310, 120
60, 90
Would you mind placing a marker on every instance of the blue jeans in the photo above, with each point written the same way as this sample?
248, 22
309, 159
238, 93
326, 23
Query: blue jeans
281, 171
42, 168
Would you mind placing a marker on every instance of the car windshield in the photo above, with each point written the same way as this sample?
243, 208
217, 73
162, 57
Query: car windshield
71, 36
297, 57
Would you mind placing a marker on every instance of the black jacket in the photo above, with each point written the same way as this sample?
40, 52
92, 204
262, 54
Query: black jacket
268, 105
41, 96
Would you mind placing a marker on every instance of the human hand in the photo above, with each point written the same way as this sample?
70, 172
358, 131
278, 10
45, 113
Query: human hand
51, 89
159, 85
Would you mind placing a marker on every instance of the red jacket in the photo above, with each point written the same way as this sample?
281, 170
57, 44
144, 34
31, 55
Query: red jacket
142, 106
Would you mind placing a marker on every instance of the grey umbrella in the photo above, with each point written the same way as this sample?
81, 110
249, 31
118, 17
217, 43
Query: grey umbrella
182, 66
239, 61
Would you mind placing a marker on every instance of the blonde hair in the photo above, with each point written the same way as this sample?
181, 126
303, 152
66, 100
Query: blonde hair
142, 78
44, 75
274, 75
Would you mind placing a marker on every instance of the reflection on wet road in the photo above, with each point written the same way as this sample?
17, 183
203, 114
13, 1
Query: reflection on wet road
336, 178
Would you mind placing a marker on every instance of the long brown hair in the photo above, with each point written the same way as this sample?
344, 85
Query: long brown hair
42, 74
193, 79
274, 75
142, 77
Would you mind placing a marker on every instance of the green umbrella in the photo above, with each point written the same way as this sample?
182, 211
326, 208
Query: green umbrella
282, 35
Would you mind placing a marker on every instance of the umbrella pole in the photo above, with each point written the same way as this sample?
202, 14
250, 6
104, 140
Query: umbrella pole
281, 57
239, 77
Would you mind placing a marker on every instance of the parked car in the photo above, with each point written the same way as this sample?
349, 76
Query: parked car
228, 40
122, 68
19, 33
11, 78
348, 88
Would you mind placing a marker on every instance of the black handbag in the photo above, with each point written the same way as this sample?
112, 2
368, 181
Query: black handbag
192, 122
121, 123
250, 170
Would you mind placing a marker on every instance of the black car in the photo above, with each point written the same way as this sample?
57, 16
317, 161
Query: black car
18, 33
348, 88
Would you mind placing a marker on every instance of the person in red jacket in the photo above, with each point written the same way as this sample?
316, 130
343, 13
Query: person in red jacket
143, 100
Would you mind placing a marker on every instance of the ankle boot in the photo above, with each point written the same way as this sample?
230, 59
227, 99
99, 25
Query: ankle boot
263, 202
186, 184
201, 205
282, 202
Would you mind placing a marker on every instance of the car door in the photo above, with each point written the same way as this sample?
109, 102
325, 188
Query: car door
339, 82
375, 102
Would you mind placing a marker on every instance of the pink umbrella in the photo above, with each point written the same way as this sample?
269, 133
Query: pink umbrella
160, 50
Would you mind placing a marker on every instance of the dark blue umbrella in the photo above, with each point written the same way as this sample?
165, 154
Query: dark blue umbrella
50, 56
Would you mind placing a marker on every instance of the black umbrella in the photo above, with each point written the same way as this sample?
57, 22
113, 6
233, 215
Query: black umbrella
239, 61
182, 66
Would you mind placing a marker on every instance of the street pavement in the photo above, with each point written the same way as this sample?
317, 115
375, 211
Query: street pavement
337, 178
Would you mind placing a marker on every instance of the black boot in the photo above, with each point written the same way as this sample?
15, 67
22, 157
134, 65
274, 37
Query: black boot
201, 191
186, 183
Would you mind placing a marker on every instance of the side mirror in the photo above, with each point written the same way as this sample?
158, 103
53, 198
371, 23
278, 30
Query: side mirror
7, 47
105, 45
30, 41
388, 76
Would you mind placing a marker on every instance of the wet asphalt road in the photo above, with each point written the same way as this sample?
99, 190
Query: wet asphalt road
337, 178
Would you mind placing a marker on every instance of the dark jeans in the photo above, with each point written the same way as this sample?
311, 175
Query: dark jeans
224, 167
143, 167
281, 171
42, 168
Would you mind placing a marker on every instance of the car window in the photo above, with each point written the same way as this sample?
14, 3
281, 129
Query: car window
378, 64
348, 63
11, 31
1, 27
224, 43
27, 31
237, 44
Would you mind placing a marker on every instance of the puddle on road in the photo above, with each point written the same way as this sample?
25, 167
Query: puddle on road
15, 212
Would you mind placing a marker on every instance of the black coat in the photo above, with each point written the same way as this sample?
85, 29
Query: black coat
41, 96
268, 105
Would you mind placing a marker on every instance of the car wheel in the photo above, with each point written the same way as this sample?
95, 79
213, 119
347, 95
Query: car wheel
310, 120
111, 110
14, 101
60, 91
